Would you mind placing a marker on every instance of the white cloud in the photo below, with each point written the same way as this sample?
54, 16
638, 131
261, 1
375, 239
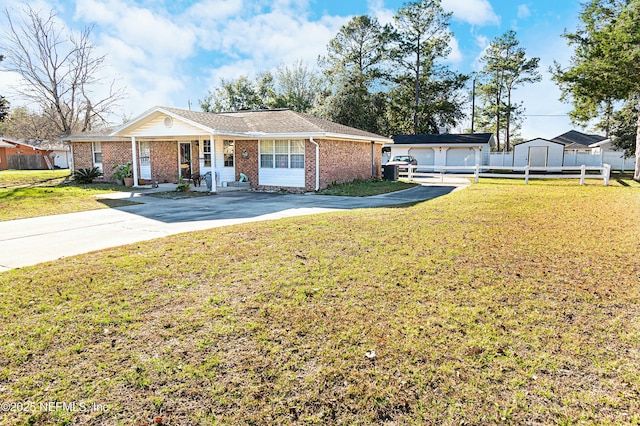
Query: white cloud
455, 56
377, 9
214, 10
475, 12
146, 50
140, 27
523, 11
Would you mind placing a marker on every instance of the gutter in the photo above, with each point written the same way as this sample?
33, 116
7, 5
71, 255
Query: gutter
317, 162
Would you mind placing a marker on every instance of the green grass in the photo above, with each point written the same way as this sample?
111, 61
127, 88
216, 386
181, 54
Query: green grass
365, 188
18, 178
617, 179
500, 304
33, 193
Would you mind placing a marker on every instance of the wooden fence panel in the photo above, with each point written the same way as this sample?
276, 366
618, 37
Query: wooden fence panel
24, 162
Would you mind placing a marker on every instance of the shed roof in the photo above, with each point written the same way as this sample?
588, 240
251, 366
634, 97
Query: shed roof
533, 141
446, 139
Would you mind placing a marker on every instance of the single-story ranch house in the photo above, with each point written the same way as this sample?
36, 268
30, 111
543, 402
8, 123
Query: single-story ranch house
274, 149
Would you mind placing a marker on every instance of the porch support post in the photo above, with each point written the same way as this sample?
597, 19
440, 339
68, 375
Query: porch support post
134, 160
213, 164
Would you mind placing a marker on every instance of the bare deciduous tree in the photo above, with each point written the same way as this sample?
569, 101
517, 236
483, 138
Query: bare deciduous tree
60, 70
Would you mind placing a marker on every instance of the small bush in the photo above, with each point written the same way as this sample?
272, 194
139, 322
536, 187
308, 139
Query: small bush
86, 175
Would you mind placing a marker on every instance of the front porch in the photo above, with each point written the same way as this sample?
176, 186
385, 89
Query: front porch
171, 187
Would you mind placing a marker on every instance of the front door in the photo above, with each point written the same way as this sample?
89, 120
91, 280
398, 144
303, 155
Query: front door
145, 160
185, 160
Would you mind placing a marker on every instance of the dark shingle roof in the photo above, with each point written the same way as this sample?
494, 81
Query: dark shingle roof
211, 120
574, 137
276, 121
469, 138
250, 123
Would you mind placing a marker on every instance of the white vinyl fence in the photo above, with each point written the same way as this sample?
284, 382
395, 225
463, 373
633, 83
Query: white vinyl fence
526, 173
615, 159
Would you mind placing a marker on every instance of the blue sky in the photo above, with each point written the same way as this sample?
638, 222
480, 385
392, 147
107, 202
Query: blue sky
171, 52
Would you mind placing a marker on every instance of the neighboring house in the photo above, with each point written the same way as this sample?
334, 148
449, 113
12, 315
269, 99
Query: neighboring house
538, 153
602, 147
577, 142
19, 155
60, 152
275, 149
433, 151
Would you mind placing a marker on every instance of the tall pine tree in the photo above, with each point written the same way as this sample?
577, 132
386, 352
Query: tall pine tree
605, 64
425, 94
506, 67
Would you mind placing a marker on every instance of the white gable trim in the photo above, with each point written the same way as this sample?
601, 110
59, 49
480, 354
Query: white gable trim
154, 113
539, 140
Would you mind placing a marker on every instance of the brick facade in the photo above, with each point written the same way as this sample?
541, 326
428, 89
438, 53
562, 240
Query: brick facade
340, 161
309, 166
344, 161
114, 153
164, 161
249, 165
82, 155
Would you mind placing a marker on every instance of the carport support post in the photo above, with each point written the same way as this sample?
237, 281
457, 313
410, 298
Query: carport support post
214, 189
134, 160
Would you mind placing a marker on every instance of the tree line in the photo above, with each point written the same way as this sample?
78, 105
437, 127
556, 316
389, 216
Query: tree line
392, 79
386, 79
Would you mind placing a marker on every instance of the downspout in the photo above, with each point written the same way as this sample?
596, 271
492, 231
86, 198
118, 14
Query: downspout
317, 162
134, 160
212, 141
71, 164
373, 161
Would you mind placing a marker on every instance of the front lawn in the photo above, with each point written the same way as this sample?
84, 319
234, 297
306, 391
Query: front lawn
365, 188
33, 193
498, 304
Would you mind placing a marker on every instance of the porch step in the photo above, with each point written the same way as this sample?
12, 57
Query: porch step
239, 184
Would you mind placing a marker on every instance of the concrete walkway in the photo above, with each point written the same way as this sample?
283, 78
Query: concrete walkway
30, 241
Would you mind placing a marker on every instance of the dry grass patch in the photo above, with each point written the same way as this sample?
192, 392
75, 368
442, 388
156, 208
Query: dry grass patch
500, 304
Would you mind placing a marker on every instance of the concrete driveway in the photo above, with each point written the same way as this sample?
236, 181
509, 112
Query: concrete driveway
30, 241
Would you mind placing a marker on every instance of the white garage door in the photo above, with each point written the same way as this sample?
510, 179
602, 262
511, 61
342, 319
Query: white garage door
461, 157
424, 156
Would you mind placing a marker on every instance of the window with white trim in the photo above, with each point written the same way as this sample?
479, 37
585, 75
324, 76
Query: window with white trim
229, 153
206, 152
96, 148
282, 154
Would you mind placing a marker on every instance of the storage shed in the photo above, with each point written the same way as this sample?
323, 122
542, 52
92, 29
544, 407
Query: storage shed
538, 152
